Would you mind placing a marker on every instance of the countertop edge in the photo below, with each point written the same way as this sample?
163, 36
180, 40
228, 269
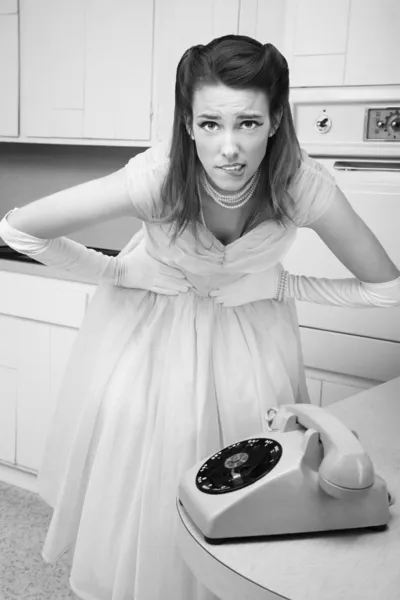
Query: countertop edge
12, 266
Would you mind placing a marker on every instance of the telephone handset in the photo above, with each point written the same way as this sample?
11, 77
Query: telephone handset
345, 465
305, 472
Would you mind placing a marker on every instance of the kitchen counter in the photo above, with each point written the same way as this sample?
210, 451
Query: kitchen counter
14, 262
351, 565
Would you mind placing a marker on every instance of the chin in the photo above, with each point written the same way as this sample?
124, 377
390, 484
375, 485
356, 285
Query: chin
229, 186
229, 183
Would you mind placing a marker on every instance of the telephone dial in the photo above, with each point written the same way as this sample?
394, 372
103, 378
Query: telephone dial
308, 473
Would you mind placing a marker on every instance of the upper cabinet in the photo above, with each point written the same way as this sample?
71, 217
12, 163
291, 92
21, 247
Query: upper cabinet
9, 68
103, 71
342, 42
86, 69
373, 46
264, 20
180, 24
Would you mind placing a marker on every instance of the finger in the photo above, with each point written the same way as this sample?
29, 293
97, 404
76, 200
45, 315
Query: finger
174, 284
229, 301
172, 287
227, 290
164, 291
172, 272
183, 288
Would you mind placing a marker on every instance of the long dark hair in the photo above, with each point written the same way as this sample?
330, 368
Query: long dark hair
239, 62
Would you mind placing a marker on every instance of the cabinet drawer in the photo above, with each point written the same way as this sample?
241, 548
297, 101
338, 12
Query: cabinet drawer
41, 299
371, 359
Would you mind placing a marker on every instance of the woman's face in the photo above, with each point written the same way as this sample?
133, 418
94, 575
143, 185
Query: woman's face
230, 128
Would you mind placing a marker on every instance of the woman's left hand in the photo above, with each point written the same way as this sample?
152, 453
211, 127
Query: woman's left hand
250, 288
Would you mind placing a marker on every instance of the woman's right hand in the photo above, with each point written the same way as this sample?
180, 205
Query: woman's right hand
139, 270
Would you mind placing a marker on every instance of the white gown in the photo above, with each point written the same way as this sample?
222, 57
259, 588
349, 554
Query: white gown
156, 383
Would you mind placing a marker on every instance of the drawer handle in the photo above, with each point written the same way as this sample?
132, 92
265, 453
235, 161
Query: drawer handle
349, 165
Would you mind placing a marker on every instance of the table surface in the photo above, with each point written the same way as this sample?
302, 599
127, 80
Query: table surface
352, 565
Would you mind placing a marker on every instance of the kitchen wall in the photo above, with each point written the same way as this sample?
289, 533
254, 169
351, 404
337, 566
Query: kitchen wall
32, 171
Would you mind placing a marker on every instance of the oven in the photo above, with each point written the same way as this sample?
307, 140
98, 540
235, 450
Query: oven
355, 134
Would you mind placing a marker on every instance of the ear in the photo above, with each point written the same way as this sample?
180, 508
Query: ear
276, 121
189, 128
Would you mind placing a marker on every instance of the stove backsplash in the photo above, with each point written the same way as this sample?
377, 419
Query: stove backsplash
31, 171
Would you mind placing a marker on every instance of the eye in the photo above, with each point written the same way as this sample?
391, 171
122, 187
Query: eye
249, 124
209, 125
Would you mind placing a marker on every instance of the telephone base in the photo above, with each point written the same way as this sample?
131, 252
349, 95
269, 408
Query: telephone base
287, 483
290, 536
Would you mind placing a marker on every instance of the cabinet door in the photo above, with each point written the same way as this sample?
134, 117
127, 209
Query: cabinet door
86, 69
9, 335
373, 47
314, 387
180, 24
34, 399
39, 320
334, 392
315, 41
118, 69
25, 398
9, 68
264, 20
43, 353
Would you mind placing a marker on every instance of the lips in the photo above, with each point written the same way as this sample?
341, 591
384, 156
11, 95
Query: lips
232, 167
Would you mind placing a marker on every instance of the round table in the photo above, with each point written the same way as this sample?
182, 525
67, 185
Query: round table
351, 565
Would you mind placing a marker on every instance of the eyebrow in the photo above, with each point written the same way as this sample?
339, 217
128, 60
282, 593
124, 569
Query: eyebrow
241, 116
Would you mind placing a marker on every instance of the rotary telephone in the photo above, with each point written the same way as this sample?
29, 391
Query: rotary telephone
308, 474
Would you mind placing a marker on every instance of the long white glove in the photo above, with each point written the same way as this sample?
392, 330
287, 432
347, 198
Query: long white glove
340, 292
278, 284
134, 270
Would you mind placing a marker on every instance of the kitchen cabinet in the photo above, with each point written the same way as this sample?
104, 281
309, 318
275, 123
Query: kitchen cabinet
114, 85
334, 392
43, 355
86, 69
9, 68
325, 387
8, 387
263, 20
24, 390
103, 73
315, 41
373, 45
314, 387
342, 42
39, 321
180, 24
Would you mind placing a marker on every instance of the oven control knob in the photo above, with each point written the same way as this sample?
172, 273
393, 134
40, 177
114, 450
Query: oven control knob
323, 124
395, 123
380, 123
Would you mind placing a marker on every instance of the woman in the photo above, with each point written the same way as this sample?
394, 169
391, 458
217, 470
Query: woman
161, 377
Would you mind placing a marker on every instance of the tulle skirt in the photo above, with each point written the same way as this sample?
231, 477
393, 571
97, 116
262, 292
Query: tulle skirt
154, 384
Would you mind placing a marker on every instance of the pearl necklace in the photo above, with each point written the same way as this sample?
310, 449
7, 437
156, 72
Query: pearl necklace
229, 201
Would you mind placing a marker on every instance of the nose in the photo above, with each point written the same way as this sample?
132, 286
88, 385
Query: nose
230, 148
